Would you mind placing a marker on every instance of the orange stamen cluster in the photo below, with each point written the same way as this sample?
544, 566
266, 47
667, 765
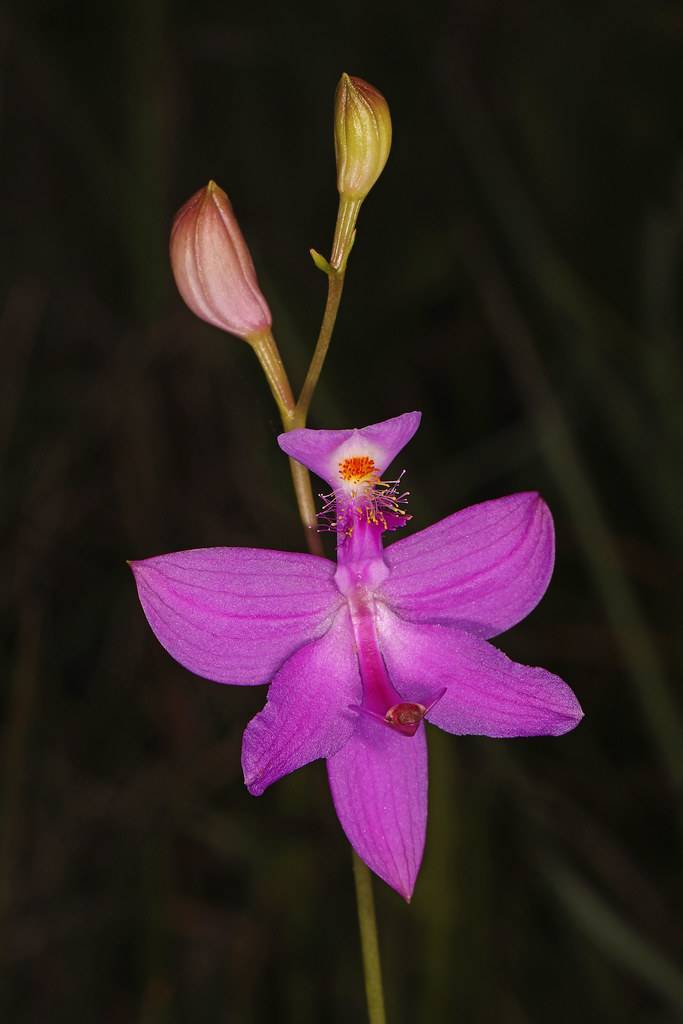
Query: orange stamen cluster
358, 469
366, 497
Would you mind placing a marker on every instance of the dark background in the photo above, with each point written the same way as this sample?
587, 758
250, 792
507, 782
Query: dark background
515, 277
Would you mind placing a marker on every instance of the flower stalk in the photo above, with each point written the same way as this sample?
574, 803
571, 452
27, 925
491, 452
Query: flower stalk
268, 355
301, 481
263, 344
367, 923
335, 287
344, 232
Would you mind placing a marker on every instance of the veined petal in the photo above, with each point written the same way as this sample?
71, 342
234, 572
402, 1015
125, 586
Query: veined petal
307, 715
487, 694
482, 569
235, 614
323, 450
379, 787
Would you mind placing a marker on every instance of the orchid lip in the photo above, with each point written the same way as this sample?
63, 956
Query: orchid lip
404, 717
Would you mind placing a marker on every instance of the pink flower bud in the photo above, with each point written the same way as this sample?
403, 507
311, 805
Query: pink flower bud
213, 267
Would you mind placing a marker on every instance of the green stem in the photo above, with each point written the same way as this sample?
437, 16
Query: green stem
368, 940
301, 479
268, 355
344, 234
335, 286
344, 231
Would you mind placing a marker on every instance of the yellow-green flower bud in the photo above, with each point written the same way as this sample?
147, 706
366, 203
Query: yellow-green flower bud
362, 136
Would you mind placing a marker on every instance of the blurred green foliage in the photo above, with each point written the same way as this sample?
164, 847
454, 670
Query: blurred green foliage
516, 276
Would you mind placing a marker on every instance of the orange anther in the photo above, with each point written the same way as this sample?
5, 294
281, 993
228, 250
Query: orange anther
357, 469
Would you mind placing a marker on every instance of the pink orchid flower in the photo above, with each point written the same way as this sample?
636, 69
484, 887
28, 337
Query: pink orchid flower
360, 653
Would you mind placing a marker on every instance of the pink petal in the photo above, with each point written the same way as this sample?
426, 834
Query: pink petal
487, 694
235, 614
316, 449
379, 787
483, 569
307, 715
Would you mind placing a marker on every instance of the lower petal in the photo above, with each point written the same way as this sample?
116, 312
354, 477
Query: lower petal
306, 715
379, 787
487, 694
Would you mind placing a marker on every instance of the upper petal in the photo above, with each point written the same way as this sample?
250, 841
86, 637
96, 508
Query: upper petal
322, 450
487, 694
379, 787
483, 568
307, 714
235, 614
